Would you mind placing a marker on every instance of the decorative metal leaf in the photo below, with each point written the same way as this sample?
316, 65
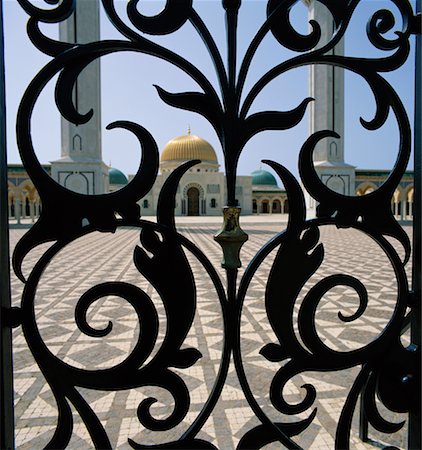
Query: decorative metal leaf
273, 352
196, 102
263, 435
274, 120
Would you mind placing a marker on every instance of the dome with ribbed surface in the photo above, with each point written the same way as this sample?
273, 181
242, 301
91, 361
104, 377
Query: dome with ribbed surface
115, 176
263, 178
185, 148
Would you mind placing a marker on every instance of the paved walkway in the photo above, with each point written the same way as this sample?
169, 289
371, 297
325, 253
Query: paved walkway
108, 257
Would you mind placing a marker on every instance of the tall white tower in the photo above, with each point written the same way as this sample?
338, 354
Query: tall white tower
326, 85
81, 168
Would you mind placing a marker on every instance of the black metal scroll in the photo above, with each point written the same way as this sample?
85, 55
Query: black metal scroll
387, 369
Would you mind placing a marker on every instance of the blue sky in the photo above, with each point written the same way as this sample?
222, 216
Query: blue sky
128, 92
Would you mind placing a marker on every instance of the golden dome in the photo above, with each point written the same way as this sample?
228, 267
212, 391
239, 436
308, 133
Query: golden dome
185, 148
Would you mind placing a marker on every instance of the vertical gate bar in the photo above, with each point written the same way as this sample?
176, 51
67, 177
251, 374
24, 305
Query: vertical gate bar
363, 421
415, 417
6, 367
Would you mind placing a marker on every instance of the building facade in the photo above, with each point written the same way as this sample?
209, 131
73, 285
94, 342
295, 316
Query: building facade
23, 199
367, 181
267, 197
202, 190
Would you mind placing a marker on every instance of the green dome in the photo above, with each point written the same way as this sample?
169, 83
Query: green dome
263, 178
116, 177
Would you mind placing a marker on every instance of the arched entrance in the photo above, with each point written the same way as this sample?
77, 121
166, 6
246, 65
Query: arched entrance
193, 201
276, 209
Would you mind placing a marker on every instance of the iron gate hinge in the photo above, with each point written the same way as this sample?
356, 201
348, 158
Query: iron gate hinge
416, 24
412, 300
12, 316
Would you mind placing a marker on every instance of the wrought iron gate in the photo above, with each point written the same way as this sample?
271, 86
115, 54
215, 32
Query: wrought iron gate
387, 369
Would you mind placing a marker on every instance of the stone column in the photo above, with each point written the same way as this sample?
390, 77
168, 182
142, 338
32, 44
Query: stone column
17, 210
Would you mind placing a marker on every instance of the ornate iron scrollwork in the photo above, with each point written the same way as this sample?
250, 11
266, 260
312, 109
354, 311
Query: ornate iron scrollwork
387, 368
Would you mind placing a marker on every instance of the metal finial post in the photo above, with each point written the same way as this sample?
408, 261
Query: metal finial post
231, 238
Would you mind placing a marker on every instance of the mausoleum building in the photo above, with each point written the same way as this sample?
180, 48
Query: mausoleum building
202, 190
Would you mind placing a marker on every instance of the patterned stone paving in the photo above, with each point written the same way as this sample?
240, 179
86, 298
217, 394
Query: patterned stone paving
108, 257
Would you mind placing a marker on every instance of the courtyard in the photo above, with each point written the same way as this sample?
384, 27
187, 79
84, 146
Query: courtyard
100, 257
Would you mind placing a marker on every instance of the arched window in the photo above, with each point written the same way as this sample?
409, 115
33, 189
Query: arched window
254, 206
145, 204
276, 208
213, 203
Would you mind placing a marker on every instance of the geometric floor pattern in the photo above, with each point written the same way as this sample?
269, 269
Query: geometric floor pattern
101, 257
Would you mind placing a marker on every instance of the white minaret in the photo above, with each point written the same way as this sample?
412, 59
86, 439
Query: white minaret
326, 86
81, 168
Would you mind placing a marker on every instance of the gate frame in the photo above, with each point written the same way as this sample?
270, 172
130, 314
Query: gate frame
7, 312
414, 430
7, 426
